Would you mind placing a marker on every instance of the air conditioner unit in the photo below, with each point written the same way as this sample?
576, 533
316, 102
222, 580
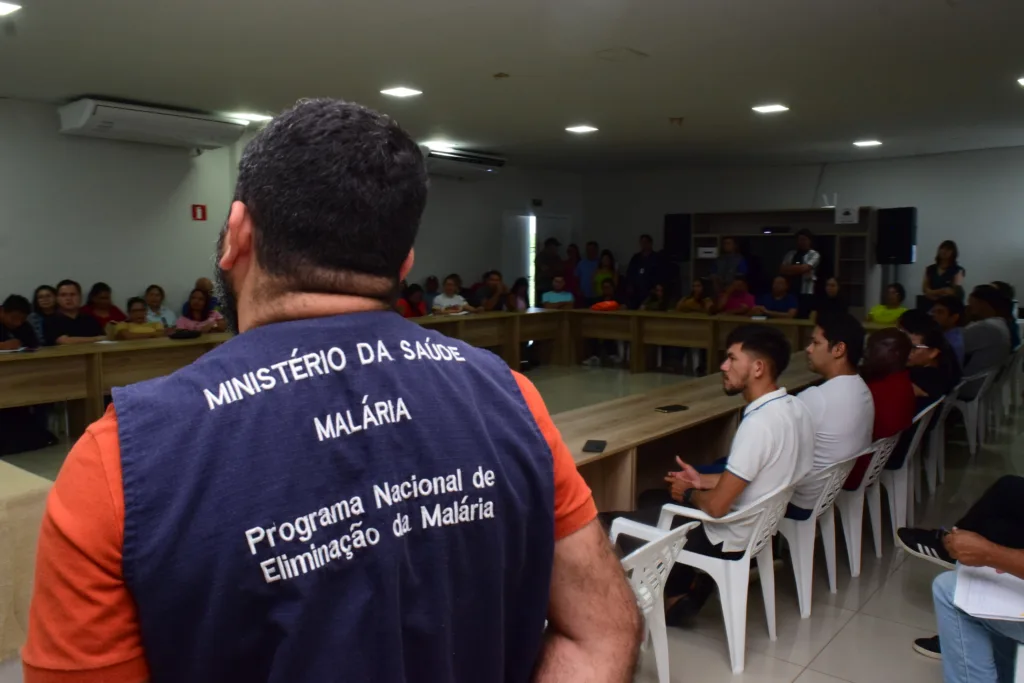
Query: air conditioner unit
135, 123
457, 163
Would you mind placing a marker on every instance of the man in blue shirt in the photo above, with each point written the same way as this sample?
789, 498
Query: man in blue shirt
948, 312
779, 303
585, 270
557, 298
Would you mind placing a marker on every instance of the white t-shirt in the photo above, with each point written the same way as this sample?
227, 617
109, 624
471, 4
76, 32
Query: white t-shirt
444, 301
844, 415
773, 448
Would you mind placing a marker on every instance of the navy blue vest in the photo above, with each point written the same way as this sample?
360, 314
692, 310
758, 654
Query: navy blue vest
354, 498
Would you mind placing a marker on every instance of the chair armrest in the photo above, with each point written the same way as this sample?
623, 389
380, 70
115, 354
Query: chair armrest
645, 532
670, 511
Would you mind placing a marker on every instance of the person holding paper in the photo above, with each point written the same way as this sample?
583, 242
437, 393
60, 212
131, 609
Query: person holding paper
977, 649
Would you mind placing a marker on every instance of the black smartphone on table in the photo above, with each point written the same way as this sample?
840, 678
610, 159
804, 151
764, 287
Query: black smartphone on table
594, 446
674, 408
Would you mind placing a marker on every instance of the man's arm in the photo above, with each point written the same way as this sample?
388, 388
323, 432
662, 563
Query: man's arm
10, 344
594, 627
974, 550
791, 313
791, 270
65, 339
717, 501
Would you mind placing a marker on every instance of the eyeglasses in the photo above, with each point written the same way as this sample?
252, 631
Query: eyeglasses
920, 346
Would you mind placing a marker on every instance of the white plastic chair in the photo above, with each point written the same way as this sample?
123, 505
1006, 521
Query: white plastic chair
900, 484
733, 576
648, 568
800, 534
934, 461
1014, 379
971, 408
997, 403
851, 503
1018, 675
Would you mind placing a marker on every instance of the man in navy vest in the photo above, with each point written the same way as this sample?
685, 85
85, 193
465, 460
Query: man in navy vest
292, 506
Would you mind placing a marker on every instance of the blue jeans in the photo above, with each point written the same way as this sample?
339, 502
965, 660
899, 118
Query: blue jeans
973, 650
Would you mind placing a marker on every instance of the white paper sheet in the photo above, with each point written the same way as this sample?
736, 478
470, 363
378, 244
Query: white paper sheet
984, 593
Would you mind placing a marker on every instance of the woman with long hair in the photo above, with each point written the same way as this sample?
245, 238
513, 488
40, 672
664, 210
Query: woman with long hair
606, 270
518, 296
945, 277
202, 317
411, 303
98, 305
44, 304
699, 300
830, 301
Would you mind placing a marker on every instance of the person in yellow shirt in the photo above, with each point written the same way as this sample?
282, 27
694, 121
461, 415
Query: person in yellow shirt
136, 326
889, 312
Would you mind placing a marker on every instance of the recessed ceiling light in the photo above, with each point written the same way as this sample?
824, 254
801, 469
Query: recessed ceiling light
440, 145
581, 129
7, 8
401, 92
1020, 81
770, 108
868, 143
250, 118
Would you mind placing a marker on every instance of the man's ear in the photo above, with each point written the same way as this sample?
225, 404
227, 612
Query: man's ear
839, 350
238, 236
407, 265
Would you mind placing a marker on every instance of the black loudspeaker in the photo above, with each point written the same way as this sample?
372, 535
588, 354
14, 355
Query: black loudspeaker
677, 235
897, 235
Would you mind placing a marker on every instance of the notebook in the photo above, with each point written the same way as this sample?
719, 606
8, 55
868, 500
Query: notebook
984, 593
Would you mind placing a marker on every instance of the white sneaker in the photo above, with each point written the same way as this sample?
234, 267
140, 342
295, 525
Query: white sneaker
592, 361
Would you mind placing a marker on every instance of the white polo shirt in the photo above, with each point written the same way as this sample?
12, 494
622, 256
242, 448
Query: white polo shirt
773, 447
843, 413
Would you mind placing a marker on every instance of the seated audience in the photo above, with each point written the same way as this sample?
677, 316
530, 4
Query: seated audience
68, 325
737, 299
773, 448
841, 407
44, 304
657, 300
990, 534
830, 301
467, 293
948, 312
451, 302
945, 277
99, 305
890, 311
885, 372
137, 326
431, 289
202, 316
1011, 314
156, 312
609, 300
987, 337
518, 297
700, 300
606, 270
411, 304
493, 293
15, 332
558, 297
779, 303
206, 285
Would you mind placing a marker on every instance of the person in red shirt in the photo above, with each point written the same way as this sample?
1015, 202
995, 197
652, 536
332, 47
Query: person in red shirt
888, 380
411, 304
99, 306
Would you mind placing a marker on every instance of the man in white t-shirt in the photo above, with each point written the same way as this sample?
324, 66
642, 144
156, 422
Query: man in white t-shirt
842, 408
450, 302
771, 450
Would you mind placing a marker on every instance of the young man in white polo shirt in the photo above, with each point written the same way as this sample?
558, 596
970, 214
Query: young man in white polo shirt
842, 408
773, 448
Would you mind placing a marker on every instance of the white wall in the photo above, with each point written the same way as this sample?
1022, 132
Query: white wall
91, 210
975, 198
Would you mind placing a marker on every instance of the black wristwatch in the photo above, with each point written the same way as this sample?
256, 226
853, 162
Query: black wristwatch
688, 497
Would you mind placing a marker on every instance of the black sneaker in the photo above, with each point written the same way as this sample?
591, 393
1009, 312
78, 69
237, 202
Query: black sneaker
926, 544
929, 647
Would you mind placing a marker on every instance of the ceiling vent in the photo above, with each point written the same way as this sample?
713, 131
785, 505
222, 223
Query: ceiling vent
457, 163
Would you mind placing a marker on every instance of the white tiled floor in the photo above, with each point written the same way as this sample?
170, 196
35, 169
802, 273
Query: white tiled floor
860, 634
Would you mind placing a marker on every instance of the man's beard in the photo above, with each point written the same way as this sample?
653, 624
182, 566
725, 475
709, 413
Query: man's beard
224, 291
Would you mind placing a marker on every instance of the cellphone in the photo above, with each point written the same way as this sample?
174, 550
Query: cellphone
594, 446
674, 408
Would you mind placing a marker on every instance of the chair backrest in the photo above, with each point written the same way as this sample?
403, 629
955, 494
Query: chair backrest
921, 422
985, 379
648, 566
880, 451
771, 510
834, 477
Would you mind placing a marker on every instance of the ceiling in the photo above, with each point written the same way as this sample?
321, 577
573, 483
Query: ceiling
923, 76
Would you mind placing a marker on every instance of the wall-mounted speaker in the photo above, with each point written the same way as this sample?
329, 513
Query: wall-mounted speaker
897, 236
676, 238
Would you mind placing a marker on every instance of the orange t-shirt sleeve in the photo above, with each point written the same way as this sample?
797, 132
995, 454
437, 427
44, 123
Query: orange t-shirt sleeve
574, 506
82, 626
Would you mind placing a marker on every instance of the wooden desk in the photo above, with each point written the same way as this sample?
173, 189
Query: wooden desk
642, 443
504, 332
